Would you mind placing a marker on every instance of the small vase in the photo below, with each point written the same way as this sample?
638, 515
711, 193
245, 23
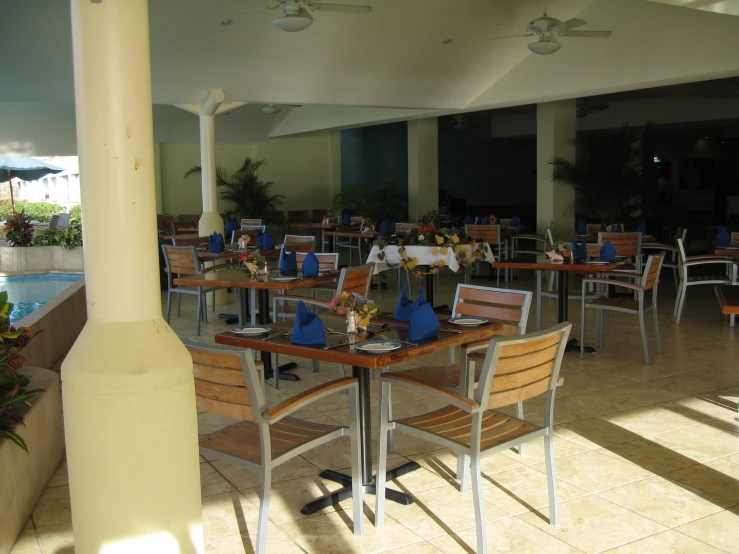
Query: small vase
351, 322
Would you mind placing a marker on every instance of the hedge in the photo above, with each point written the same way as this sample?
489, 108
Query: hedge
42, 211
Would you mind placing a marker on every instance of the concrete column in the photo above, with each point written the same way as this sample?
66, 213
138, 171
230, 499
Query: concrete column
211, 221
556, 132
129, 401
423, 167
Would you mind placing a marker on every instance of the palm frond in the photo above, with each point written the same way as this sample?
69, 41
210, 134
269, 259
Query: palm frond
196, 169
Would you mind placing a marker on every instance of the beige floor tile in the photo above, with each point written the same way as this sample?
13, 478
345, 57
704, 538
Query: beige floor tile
416, 481
444, 463
332, 534
719, 477
720, 530
505, 536
656, 455
337, 454
245, 543
594, 471
229, 513
644, 394
596, 380
593, 524
647, 421
688, 383
704, 407
60, 476
592, 404
242, 478
639, 372
669, 542
27, 544
716, 438
212, 482
666, 502
416, 548
57, 539
593, 433
53, 507
533, 451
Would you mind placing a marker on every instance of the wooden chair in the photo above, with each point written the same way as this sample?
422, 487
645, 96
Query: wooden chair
190, 241
183, 260
298, 243
250, 222
227, 384
164, 222
726, 277
402, 228
328, 261
537, 243
492, 235
672, 249
649, 282
735, 239
593, 228
627, 245
515, 369
356, 219
253, 234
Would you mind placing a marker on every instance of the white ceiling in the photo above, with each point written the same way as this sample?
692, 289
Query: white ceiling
352, 70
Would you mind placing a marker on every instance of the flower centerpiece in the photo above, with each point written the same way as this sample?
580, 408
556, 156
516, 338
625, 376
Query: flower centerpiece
13, 391
366, 226
326, 219
358, 309
252, 261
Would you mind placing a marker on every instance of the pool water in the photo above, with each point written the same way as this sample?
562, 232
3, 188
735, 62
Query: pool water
30, 292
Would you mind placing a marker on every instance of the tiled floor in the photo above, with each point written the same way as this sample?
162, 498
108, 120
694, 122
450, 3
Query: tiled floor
647, 458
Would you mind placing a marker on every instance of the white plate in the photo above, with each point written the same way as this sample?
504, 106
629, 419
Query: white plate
597, 262
379, 346
283, 279
468, 321
251, 330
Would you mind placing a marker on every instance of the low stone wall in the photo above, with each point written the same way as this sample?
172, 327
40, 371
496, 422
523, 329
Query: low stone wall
20, 259
61, 319
23, 477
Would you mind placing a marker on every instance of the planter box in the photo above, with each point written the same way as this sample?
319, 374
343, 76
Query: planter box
24, 477
21, 259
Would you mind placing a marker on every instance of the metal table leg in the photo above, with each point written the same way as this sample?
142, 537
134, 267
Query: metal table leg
365, 441
429, 286
563, 296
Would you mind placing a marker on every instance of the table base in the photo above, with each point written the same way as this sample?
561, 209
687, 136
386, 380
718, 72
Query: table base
346, 490
572, 346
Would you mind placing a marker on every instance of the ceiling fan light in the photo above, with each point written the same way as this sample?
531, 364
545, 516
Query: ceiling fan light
271, 109
544, 46
294, 22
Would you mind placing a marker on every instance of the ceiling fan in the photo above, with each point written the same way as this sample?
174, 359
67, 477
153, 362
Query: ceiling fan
585, 108
548, 29
272, 109
296, 13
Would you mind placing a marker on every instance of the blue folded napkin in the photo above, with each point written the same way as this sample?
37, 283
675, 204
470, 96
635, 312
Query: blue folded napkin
485, 221
603, 227
579, 249
582, 228
231, 226
642, 228
216, 243
385, 227
260, 240
391, 227
423, 324
308, 327
310, 265
723, 238
288, 262
607, 252
346, 219
515, 223
404, 306
616, 228
467, 220
268, 243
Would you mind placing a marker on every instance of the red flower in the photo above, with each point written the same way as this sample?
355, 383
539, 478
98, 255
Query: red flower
15, 362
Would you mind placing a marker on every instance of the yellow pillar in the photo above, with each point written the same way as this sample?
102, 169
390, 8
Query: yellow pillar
129, 400
556, 132
423, 167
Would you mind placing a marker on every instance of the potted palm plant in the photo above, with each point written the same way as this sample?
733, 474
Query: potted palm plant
377, 204
250, 196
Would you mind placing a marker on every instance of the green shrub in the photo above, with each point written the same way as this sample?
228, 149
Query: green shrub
42, 211
71, 237
76, 211
47, 237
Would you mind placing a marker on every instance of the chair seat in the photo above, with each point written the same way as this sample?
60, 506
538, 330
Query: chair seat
619, 302
709, 279
456, 425
627, 268
242, 440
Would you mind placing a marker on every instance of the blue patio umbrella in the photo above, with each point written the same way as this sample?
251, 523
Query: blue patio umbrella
25, 169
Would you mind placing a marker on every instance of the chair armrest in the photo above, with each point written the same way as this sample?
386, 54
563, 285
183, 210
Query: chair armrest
218, 267
304, 299
658, 246
613, 282
454, 398
712, 260
286, 407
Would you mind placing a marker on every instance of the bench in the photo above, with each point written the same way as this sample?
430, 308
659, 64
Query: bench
728, 299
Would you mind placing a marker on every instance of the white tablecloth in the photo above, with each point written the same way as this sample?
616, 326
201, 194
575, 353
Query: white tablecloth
425, 256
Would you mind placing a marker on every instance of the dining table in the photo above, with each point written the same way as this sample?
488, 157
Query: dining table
565, 268
345, 350
241, 280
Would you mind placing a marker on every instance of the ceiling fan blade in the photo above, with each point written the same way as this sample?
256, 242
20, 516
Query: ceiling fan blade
586, 34
569, 24
512, 36
339, 8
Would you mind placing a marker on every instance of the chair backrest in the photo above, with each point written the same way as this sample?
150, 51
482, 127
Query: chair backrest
63, 221
490, 233
405, 227
626, 244
190, 241
734, 238
681, 249
252, 233
520, 368
189, 218
593, 228
53, 222
325, 261
180, 260
356, 279
650, 278
298, 216
505, 223
299, 243
510, 307
250, 222
549, 243
227, 382
356, 219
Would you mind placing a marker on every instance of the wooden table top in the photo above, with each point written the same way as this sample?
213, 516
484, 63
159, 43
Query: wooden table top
349, 355
313, 226
731, 252
544, 263
183, 236
240, 278
728, 298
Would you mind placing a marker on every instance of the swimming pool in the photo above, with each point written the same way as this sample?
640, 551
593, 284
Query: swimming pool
29, 292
